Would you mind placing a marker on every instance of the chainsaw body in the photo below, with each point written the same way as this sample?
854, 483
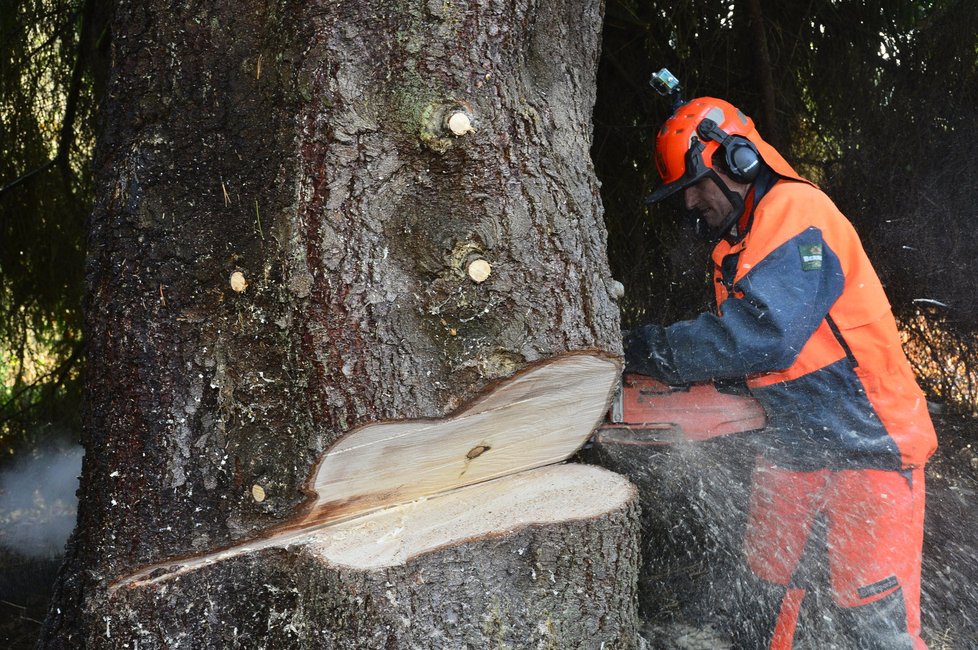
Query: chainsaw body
648, 412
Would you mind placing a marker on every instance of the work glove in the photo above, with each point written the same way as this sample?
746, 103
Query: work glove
647, 352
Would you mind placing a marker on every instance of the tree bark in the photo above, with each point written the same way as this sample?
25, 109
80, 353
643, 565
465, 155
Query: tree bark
291, 239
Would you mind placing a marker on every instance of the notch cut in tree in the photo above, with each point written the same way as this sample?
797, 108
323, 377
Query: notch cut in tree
393, 497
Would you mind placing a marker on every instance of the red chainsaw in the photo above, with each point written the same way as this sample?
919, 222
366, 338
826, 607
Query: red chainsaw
647, 412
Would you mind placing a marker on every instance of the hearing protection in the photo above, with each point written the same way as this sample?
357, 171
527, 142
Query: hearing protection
741, 160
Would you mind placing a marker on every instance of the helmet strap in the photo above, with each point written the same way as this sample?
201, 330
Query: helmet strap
713, 235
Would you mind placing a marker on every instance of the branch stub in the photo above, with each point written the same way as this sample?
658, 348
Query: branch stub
459, 123
479, 270
238, 282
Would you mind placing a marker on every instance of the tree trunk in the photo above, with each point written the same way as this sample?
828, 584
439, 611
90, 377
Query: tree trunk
297, 232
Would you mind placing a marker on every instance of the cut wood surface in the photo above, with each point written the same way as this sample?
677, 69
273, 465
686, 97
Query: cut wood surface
536, 418
389, 537
463, 532
543, 495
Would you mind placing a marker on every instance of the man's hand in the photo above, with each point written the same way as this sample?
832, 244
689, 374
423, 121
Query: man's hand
647, 352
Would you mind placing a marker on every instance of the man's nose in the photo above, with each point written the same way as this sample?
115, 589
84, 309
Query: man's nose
689, 198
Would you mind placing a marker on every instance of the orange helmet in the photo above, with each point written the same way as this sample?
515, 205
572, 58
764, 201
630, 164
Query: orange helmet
687, 142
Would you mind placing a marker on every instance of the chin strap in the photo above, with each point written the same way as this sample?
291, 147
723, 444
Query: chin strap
713, 235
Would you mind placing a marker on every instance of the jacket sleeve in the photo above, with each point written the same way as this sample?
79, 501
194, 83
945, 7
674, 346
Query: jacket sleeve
647, 352
772, 312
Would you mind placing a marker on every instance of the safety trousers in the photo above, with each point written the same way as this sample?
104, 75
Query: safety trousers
873, 539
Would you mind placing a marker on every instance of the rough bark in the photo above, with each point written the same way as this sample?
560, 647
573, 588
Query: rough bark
281, 245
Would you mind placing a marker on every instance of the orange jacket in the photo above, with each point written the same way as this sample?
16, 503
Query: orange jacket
803, 316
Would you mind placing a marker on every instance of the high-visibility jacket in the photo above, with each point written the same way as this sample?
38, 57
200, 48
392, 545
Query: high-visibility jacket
803, 316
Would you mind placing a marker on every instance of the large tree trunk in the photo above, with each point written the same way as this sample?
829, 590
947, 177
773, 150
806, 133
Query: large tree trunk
292, 237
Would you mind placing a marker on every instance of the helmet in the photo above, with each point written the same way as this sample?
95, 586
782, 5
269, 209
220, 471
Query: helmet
687, 142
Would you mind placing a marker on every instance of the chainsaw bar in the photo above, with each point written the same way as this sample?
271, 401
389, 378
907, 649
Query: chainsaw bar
657, 433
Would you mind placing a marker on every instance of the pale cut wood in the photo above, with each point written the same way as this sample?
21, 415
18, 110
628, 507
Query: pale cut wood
479, 270
389, 537
539, 496
538, 417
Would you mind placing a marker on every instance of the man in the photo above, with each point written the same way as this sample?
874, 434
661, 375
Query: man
802, 317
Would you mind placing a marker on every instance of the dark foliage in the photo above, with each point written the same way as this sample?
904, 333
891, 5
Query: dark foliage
51, 58
25, 588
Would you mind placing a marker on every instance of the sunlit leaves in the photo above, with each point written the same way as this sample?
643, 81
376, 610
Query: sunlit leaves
46, 135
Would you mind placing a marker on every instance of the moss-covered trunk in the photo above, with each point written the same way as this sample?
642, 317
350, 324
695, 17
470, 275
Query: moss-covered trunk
287, 243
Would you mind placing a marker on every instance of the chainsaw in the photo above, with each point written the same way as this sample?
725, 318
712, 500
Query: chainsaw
648, 412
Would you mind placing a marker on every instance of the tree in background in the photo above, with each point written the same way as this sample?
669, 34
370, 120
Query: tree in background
51, 55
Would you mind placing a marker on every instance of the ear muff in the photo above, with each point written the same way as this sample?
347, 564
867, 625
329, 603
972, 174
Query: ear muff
742, 160
740, 156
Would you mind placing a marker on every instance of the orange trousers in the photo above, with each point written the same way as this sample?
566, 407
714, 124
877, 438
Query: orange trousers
874, 533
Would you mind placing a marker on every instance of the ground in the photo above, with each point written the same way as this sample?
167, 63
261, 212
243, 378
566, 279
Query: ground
950, 576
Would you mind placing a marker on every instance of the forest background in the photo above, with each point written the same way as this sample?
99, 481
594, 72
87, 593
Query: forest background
875, 100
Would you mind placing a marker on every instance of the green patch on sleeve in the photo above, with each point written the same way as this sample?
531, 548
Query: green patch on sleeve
811, 256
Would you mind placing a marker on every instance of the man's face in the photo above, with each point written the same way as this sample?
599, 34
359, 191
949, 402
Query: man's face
709, 201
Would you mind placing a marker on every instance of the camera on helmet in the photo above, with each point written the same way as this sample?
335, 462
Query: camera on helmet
666, 83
